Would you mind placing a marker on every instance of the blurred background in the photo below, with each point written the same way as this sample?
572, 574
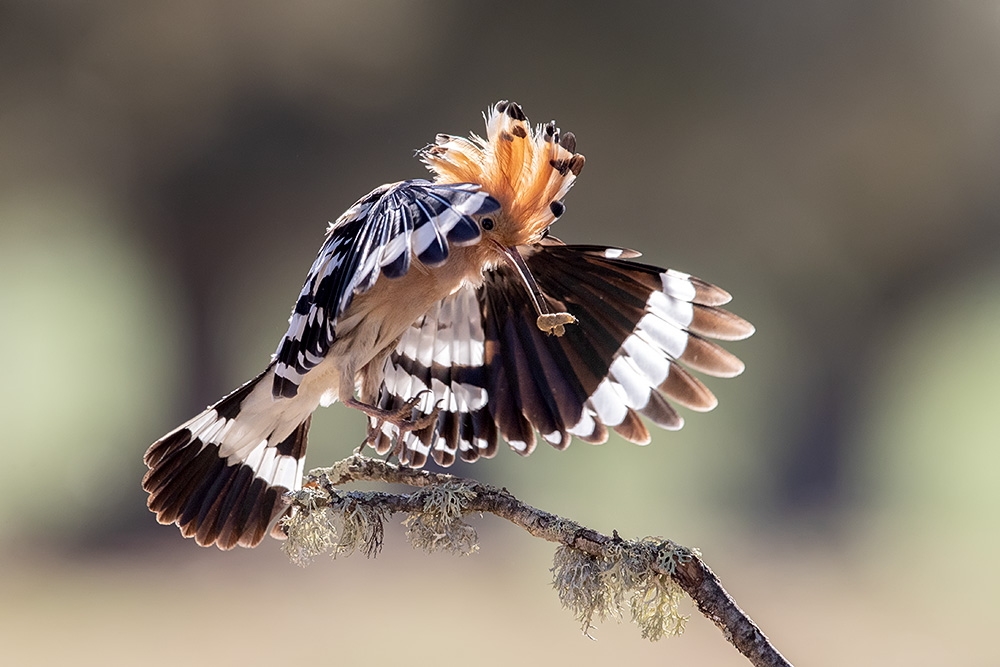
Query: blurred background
168, 171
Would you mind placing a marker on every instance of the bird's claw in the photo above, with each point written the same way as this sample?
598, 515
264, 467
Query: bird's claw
401, 417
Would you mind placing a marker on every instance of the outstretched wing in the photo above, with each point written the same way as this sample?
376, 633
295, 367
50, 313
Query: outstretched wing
480, 354
377, 235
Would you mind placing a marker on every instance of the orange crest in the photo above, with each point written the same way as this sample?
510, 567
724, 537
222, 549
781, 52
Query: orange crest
527, 171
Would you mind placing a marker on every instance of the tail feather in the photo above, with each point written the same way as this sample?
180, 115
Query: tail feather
204, 478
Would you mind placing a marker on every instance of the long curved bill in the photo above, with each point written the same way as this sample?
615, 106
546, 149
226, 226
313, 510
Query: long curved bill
548, 321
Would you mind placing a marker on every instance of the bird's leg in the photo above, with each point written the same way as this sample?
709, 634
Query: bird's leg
401, 418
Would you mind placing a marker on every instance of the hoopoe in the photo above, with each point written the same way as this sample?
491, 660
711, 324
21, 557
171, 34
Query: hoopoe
446, 312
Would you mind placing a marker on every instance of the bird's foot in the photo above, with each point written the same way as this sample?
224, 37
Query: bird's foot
402, 417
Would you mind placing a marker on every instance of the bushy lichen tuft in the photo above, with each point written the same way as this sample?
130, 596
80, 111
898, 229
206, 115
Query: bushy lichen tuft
339, 524
579, 580
439, 525
656, 610
655, 605
595, 587
310, 527
363, 528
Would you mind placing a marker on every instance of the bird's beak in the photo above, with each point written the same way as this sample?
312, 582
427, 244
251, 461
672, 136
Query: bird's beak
549, 322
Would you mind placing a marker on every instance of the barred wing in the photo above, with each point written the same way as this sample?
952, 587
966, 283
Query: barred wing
444, 352
376, 236
480, 354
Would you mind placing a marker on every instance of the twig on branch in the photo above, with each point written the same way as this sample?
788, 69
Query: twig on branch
595, 573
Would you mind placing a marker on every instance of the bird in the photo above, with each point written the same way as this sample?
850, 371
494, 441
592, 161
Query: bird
446, 312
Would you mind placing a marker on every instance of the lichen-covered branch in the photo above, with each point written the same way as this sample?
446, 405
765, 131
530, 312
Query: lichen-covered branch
596, 575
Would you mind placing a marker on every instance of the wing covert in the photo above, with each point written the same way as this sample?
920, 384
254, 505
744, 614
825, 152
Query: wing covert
376, 236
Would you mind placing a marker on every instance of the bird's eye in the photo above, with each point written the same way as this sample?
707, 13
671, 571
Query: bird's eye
487, 223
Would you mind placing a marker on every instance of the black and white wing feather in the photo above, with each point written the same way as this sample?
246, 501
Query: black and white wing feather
376, 236
482, 355
444, 352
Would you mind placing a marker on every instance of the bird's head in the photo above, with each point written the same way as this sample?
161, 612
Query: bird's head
527, 170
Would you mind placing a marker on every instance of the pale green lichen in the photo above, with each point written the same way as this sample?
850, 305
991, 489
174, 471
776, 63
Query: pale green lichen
338, 470
344, 522
579, 580
439, 525
563, 526
341, 524
362, 529
596, 588
310, 528
655, 605
656, 608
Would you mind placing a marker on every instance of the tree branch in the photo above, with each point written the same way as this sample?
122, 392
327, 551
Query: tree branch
456, 496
